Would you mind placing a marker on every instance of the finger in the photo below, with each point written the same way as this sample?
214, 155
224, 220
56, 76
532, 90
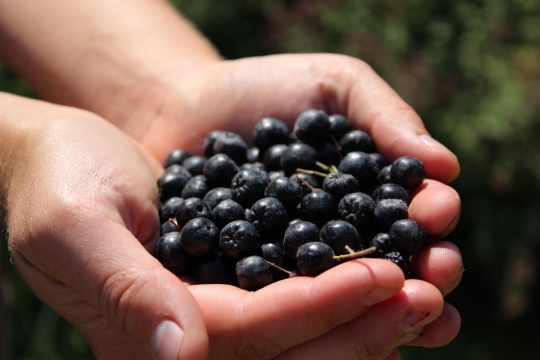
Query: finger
441, 331
385, 326
395, 127
436, 206
241, 92
440, 264
292, 311
85, 231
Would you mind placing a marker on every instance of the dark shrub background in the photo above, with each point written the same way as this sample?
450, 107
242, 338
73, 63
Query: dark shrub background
471, 69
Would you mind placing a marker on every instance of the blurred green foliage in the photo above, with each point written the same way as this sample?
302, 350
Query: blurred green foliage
471, 69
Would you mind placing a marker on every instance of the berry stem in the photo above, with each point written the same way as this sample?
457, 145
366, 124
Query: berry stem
356, 255
311, 172
348, 248
290, 273
334, 140
172, 221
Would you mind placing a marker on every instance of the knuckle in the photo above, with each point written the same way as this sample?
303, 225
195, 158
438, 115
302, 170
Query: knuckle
118, 291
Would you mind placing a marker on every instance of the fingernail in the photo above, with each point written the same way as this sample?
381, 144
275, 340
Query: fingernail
412, 321
378, 295
166, 340
428, 140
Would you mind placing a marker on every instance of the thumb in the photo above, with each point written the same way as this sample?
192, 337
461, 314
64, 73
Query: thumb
120, 297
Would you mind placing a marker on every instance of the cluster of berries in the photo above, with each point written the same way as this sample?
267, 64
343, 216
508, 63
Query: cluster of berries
297, 203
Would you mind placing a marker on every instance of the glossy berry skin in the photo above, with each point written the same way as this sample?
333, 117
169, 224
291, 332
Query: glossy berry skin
176, 156
269, 132
362, 167
319, 207
170, 253
357, 209
384, 174
400, 260
199, 237
253, 273
272, 157
226, 212
190, 209
219, 171
248, 186
268, 215
273, 175
215, 269
387, 212
253, 154
314, 258
312, 127
255, 165
208, 145
168, 209
217, 195
195, 187
408, 236
298, 156
232, 145
273, 252
239, 239
339, 184
407, 171
285, 191
356, 140
379, 159
171, 184
298, 234
391, 191
383, 244
194, 164
339, 125
337, 234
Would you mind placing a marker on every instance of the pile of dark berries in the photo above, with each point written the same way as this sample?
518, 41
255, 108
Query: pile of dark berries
297, 203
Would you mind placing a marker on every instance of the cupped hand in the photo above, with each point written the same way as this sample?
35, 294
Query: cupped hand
177, 111
82, 214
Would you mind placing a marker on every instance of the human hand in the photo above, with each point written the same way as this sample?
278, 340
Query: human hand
82, 218
178, 111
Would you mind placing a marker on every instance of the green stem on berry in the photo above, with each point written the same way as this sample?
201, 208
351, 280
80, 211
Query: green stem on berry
290, 273
172, 221
334, 140
348, 248
311, 172
334, 169
356, 254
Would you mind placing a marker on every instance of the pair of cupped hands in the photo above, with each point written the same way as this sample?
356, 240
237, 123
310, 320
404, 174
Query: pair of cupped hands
83, 219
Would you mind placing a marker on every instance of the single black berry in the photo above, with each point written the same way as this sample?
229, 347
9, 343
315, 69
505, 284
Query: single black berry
269, 132
226, 212
171, 253
219, 171
362, 167
190, 209
339, 184
176, 156
387, 212
356, 140
239, 239
217, 195
339, 126
248, 186
339, 234
314, 258
195, 187
408, 172
298, 156
253, 273
298, 234
357, 209
199, 237
312, 127
408, 236
194, 164
319, 207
